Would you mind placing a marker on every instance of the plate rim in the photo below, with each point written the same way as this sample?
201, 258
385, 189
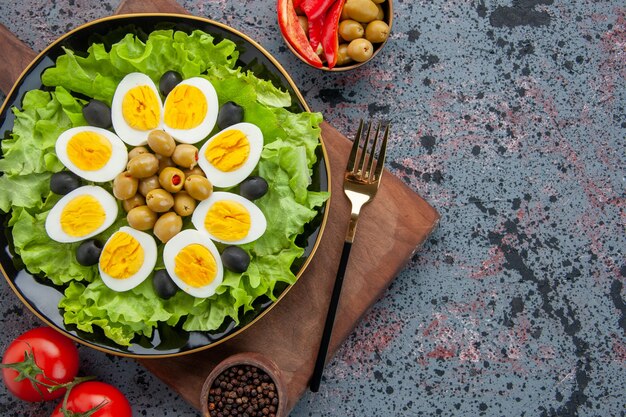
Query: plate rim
322, 228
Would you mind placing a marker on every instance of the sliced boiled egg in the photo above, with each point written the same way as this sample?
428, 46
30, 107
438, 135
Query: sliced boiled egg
127, 258
92, 153
231, 155
136, 109
194, 263
191, 110
81, 214
229, 218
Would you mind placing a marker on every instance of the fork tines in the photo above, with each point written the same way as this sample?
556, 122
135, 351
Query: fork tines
368, 156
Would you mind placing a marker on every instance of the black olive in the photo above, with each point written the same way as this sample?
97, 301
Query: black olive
168, 81
235, 259
163, 285
229, 114
63, 182
253, 188
88, 253
97, 114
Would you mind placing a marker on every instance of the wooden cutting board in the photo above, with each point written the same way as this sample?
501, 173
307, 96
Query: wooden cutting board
391, 229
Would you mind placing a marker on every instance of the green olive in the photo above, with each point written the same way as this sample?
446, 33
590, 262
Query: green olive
342, 55
167, 226
141, 218
344, 14
198, 187
304, 24
172, 179
159, 200
124, 186
361, 10
185, 155
184, 204
381, 12
377, 31
148, 184
135, 201
360, 50
143, 165
194, 171
164, 162
138, 150
350, 30
161, 142
378, 1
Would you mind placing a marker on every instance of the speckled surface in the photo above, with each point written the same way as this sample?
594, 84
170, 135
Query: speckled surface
508, 118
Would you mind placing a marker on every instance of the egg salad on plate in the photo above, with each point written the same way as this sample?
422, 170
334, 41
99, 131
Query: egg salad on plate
158, 190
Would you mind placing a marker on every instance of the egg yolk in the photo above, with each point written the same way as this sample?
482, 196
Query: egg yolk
228, 151
122, 257
195, 265
186, 107
141, 108
82, 216
227, 220
89, 151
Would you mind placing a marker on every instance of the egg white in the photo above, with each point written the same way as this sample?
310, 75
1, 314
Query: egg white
258, 223
203, 130
115, 165
149, 261
227, 179
128, 134
178, 243
53, 221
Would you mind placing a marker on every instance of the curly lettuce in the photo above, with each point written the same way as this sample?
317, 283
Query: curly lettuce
28, 155
29, 158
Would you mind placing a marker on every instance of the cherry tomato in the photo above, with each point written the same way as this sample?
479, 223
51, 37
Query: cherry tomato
91, 394
56, 355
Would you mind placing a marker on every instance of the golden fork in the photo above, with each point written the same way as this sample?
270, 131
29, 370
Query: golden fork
360, 183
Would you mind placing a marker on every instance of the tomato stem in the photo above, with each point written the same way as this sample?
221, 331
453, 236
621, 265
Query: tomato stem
28, 369
88, 413
70, 385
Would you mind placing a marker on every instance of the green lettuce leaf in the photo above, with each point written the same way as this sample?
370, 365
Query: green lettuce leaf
28, 155
20, 191
41, 254
44, 116
119, 315
98, 74
301, 129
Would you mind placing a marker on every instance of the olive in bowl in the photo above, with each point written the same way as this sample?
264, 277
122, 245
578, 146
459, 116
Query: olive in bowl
351, 32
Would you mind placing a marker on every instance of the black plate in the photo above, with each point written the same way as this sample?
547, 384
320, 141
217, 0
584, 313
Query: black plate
41, 296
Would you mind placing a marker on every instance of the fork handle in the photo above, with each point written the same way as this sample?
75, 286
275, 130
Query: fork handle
330, 319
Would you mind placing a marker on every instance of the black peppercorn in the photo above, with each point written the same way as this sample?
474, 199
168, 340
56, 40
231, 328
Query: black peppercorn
243, 391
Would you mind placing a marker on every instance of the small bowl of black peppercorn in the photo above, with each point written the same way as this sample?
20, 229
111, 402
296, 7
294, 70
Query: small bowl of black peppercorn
246, 385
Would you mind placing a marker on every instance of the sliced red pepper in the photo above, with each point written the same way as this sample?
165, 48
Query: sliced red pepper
315, 32
293, 32
296, 3
315, 8
330, 40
